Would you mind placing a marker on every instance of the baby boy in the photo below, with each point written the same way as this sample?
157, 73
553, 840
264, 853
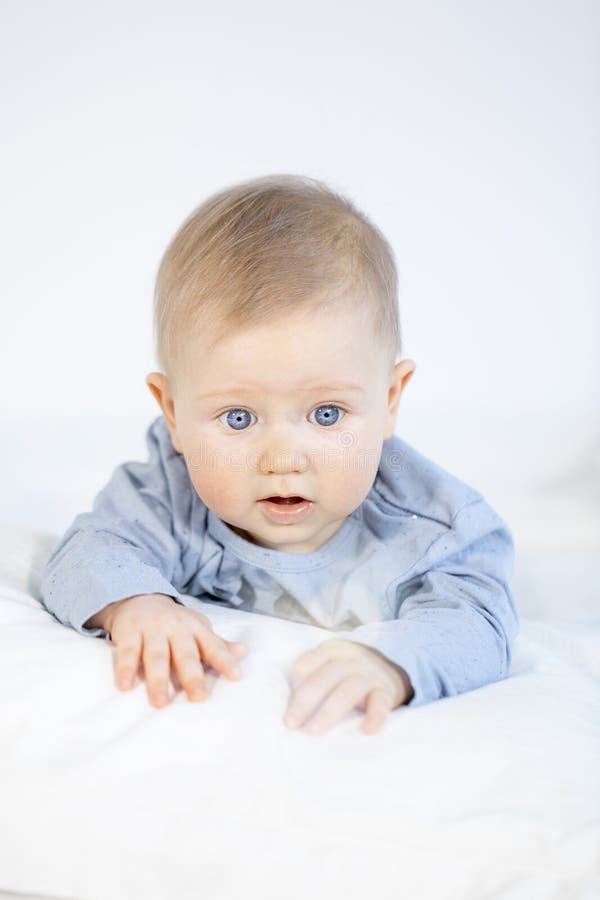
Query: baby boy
276, 483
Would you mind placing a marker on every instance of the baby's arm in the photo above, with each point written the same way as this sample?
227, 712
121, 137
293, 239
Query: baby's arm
453, 631
116, 570
130, 543
456, 617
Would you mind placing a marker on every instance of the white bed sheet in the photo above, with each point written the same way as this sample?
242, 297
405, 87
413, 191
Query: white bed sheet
491, 794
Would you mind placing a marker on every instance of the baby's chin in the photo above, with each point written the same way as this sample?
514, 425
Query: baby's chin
252, 540
243, 534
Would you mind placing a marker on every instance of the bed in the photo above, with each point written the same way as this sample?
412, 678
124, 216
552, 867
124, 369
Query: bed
491, 794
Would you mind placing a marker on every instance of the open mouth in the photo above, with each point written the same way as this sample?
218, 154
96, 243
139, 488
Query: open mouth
286, 510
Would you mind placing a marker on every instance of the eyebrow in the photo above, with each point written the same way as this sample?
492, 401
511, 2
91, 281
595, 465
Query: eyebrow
312, 388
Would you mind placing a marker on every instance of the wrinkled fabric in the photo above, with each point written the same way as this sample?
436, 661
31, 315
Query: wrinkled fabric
421, 571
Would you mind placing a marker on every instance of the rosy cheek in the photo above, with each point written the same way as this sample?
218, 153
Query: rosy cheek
216, 489
358, 473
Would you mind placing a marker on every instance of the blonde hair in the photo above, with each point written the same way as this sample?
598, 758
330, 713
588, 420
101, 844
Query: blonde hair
265, 246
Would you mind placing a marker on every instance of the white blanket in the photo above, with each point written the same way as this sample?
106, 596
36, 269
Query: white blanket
491, 794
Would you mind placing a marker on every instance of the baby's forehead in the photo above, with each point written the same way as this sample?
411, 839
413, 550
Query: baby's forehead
285, 387
316, 349
335, 333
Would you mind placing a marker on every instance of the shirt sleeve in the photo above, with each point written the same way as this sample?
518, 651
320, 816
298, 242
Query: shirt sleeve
128, 544
456, 618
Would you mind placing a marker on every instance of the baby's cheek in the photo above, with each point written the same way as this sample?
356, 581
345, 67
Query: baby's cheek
358, 473
220, 493
218, 488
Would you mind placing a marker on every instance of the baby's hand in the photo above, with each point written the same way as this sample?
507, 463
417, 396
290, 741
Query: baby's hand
157, 629
342, 674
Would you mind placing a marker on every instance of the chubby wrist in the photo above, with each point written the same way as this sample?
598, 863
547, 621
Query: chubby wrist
103, 618
98, 620
409, 691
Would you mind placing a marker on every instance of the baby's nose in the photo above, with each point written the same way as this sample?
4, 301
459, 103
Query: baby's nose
282, 460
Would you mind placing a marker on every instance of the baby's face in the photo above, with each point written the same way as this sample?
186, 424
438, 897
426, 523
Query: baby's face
297, 407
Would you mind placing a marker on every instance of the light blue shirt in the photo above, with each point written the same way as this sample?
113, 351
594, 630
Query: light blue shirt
420, 571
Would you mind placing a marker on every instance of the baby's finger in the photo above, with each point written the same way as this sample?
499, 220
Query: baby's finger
216, 652
379, 705
186, 659
156, 654
338, 704
128, 660
307, 663
312, 691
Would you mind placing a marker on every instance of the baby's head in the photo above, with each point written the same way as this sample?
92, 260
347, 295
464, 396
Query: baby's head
277, 330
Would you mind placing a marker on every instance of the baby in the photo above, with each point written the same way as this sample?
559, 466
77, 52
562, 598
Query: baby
276, 482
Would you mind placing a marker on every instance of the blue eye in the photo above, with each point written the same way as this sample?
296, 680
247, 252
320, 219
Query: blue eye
237, 419
328, 415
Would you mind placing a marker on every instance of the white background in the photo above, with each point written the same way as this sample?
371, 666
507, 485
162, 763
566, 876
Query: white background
469, 131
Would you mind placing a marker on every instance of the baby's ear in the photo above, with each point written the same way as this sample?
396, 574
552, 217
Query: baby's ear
159, 386
161, 390
401, 375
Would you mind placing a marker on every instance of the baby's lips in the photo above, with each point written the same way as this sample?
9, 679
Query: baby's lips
294, 498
